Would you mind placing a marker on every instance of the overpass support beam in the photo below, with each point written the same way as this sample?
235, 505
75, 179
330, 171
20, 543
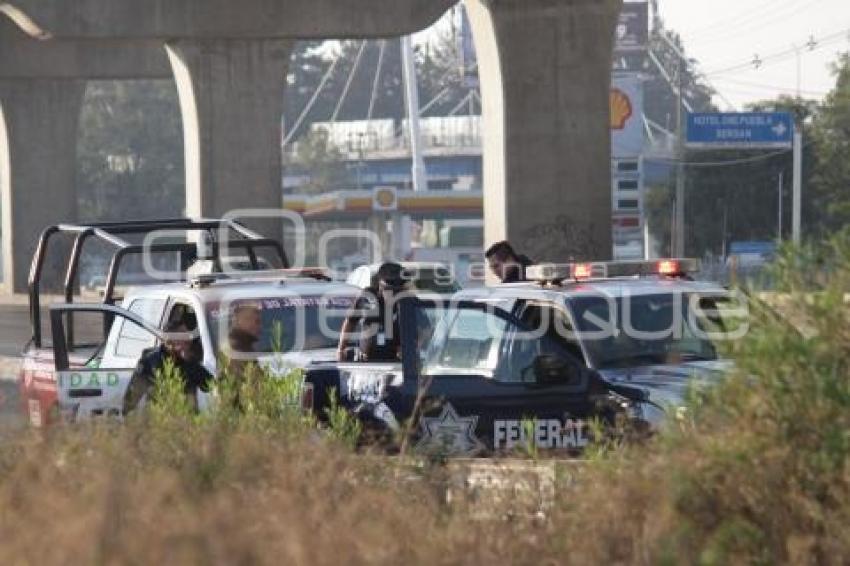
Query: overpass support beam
231, 99
38, 151
545, 68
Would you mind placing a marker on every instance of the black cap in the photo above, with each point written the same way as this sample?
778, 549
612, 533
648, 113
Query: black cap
390, 273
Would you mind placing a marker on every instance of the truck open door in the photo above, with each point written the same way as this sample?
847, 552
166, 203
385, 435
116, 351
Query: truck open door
87, 390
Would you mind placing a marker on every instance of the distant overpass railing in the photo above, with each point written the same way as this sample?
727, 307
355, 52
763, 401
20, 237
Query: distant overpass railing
363, 138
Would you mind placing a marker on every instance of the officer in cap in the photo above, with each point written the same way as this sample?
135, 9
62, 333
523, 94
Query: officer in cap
374, 320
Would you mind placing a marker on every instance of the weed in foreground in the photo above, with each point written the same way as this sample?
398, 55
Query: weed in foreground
757, 473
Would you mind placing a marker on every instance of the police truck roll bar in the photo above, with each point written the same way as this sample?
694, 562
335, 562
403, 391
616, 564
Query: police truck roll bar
114, 234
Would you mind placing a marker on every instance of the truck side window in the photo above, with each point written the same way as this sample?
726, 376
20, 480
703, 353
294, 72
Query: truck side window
133, 339
182, 312
546, 331
521, 353
553, 323
469, 339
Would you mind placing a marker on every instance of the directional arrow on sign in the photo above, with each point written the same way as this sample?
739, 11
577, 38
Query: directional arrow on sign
780, 129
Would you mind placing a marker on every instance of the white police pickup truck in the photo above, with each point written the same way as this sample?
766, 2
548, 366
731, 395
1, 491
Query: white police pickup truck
534, 362
82, 367
294, 316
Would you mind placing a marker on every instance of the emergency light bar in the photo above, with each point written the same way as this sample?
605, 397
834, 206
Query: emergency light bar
316, 273
549, 272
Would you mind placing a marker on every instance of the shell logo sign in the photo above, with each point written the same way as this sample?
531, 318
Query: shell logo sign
621, 109
385, 199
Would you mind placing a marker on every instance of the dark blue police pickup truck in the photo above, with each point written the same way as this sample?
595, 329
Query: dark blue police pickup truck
535, 363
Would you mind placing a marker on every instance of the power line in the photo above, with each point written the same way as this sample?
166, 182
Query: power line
702, 164
744, 87
348, 81
764, 86
312, 100
778, 14
757, 61
682, 60
746, 16
376, 82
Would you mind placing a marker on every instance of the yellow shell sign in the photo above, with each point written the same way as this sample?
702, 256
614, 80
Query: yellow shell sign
621, 109
385, 198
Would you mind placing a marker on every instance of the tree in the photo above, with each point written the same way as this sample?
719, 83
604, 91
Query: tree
661, 105
660, 98
442, 77
438, 73
313, 61
130, 151
733, 195
323, 164
830, 184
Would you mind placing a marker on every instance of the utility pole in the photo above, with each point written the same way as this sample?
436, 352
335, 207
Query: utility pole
679, 215
797, 196
411, 97
401, 225
779, 196
798, 54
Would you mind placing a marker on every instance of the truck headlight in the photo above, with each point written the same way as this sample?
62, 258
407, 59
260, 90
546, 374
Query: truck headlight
652, 415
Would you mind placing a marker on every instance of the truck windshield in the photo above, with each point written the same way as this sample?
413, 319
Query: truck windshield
278, 325
653, 329
433, 281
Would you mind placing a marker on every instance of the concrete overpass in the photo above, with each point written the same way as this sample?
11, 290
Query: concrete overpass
544, 65
42, 84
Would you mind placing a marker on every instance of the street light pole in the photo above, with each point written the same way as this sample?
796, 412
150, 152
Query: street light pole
679, 215
420, 182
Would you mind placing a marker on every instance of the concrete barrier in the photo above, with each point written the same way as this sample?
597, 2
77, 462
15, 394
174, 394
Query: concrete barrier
509, 487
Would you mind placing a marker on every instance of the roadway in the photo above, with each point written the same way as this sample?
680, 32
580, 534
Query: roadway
14, 333
14, 329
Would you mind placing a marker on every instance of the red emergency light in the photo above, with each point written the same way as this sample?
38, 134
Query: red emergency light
554, 272
668, 267
582, 270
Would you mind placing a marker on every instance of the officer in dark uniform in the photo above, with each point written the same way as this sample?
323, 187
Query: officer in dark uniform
185, 353
374, 319
506, 263
245, 330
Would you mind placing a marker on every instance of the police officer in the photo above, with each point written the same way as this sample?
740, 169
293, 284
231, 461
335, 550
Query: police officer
246, 326
183, 352
374, 319
505, 263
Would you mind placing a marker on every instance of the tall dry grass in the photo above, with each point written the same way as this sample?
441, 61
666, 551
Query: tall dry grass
756, 472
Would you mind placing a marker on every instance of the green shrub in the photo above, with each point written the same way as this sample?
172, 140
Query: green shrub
757, 473
343, 427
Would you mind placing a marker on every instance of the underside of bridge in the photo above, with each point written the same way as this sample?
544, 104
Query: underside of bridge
42, 84
544, 67
231, 100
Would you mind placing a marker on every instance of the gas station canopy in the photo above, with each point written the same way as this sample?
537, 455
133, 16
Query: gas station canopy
362, 204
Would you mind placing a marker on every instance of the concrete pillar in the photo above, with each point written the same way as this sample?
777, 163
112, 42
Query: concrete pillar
38, 151
231, 98
545, 68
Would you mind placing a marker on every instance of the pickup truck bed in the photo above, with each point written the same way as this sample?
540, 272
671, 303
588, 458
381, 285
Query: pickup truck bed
37, 381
